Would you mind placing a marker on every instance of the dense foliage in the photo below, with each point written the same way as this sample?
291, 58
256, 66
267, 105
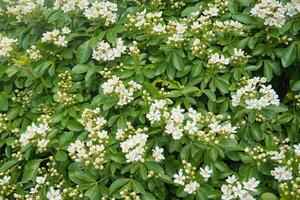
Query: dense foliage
160, 99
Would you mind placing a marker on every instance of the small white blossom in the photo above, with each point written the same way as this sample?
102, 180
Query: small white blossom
105, 11
157, 154
53, 194
179, 178
297, 149
6, 45
282, 174
191, 187
104, 51
206, 172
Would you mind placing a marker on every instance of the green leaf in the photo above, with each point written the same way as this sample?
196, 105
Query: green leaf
74, 125
256, 132
83, 52
61, 155
81, 68
7, 165
117, 184
289, 55
137, 187
285, 118
31, 170
82, 178
268, 196
177, 61
296, 86
3, 102
245, 18
111, 36
211, 95
118, 158
149, 196
93, 193
154, 166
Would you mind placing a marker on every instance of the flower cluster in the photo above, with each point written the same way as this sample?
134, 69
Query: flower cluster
22, 9
92, 151
229, 26
218, 61
237, 190
254, 95
286, 161
207, 128
198, 48
92, 121
156, 110
125, 194
6, 45
5, 186
239, 57
133, 143
177, 30
187, 177
34, 53
57, 37
146, 20
22, 97
105, 11
157, 154
114, 86
88, 153
201, 24
36, 135
105, 52
64, 97
3, 122
292, 8
70, 5
271, 11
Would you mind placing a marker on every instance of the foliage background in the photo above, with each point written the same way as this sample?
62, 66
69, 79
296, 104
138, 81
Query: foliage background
186, 78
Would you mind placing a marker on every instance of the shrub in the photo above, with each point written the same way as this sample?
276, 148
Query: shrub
160, 99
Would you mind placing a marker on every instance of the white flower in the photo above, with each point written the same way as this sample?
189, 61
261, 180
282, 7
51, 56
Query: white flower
206, 172
104, 10
157, 154
191, 187
159, 28
231, 179
271, 11
297, 149
70, 5
21, 9
40, 180
191, 127
282, 174
34, 53
114, 86
6, 45
53, 194
35, 133
267, 96
56, 37
217, 59
134, 147
104, 52
176, 114
212, 11
251, 184
66, 30
4, 180
179, 178
42, 143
